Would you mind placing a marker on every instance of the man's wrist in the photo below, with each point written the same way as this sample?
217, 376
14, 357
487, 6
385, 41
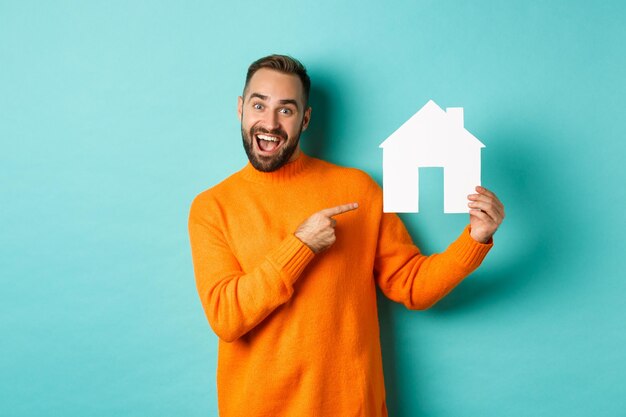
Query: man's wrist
305, 243
485, 240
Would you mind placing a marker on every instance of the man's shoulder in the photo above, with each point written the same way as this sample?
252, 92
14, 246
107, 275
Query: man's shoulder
345, 174
210, 196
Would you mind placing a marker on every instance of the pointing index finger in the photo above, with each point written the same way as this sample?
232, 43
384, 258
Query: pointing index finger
334, 211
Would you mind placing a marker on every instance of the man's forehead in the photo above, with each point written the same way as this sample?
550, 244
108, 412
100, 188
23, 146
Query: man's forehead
274, 84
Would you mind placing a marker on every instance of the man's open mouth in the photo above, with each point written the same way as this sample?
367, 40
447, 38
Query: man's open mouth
268, 143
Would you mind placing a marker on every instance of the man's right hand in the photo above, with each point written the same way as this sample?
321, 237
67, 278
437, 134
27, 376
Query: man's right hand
318, 231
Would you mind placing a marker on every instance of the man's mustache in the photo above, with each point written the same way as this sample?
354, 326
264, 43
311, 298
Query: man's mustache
274, 132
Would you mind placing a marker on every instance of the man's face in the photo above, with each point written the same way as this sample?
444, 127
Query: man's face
273, 116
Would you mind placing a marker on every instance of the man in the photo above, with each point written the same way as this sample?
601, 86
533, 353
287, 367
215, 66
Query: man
287, 254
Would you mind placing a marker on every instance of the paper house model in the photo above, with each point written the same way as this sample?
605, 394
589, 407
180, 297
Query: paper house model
432, 137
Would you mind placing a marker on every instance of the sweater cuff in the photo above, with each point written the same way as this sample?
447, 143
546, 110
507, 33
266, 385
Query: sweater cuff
290, 258
468, 252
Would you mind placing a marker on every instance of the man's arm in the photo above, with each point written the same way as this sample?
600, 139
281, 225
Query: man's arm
234, 301
418, 281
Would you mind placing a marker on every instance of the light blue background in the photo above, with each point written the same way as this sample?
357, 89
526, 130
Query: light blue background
114, 115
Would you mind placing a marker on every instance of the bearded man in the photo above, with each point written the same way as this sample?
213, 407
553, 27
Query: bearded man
287, 255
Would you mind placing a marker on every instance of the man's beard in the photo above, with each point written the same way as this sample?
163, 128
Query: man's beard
269, 163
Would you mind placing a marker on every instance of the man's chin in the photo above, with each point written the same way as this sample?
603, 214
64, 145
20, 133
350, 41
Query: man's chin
266, 163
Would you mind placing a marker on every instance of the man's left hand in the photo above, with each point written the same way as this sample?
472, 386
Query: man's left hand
486, 214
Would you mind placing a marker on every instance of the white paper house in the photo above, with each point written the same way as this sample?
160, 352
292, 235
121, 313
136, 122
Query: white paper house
432, 137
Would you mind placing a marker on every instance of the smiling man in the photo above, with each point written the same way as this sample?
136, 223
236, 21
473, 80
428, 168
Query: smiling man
287, 255
271, 124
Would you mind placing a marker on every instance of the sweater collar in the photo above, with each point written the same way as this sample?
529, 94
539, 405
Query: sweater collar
288, 171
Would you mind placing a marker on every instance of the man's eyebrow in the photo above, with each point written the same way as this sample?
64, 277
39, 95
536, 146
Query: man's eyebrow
283, 101
261, 96
289, 101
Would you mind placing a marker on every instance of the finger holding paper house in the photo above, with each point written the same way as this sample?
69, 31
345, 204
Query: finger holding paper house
486, 214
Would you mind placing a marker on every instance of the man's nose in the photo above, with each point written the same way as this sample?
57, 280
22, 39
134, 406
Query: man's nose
271, 121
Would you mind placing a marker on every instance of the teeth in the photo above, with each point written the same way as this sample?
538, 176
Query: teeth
268, 138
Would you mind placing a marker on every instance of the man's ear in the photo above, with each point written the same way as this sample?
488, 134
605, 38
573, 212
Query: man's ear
239, 107
307, 118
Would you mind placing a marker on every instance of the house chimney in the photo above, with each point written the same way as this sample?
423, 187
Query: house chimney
455, 114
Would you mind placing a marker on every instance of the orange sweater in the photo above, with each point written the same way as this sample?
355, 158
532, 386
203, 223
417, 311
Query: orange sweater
299, 332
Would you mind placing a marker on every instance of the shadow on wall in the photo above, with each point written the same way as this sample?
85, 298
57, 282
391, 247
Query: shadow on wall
324, 104
533, 193
530, 187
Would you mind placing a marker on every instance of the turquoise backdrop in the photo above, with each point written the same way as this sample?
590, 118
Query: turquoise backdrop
114, 115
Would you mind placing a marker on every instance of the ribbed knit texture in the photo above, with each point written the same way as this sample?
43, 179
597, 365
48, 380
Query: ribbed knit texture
299, 332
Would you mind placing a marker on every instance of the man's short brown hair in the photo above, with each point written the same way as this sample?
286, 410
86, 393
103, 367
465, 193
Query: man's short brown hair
284, 64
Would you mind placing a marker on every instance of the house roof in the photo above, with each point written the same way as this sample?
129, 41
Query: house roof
432, 118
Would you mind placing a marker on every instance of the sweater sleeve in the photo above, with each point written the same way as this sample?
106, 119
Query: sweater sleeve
418, 281
234, 301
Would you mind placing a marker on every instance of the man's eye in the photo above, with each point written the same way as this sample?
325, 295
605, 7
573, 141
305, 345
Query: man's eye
285, 111
257, 106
